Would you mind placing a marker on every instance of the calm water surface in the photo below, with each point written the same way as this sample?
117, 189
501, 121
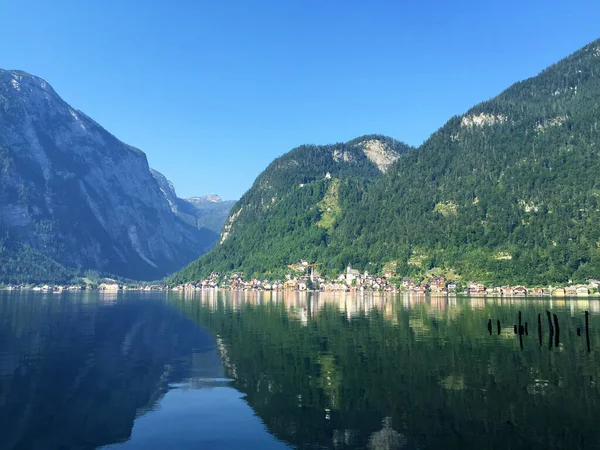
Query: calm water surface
274, 370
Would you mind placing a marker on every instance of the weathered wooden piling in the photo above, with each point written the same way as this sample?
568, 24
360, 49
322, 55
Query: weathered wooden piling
526, 330
550, 329
587, 331
490, 326
498, 326
540, 328
556, 331
515, 328
550, 326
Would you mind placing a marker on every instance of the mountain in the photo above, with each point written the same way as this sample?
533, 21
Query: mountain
73, 197
293, 206
208, 212
506, 193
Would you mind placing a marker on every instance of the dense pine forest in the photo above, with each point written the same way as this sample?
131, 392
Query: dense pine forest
506, 193
22, 264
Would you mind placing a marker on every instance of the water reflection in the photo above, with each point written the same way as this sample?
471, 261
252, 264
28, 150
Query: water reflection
376, 371
76, 370
360, 302
332, 370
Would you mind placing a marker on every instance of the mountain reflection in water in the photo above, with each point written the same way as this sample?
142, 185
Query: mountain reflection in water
266, 370
76, 371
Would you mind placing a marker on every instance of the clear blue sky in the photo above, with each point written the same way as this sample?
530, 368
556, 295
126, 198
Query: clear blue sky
212, 91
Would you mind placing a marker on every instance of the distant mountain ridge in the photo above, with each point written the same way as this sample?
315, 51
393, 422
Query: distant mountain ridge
208, 212
506, 193
211, 198
73, 197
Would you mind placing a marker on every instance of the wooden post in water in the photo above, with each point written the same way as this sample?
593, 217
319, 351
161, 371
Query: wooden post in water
526, 330
550, 328
550, 322
540, 328
587, 331
490, 326
557, 330
498, 326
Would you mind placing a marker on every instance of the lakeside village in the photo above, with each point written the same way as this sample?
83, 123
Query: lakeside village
304, 277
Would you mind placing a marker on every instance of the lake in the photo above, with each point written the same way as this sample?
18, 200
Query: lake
221, 370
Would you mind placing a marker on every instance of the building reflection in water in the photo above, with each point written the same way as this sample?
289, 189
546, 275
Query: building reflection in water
305, 305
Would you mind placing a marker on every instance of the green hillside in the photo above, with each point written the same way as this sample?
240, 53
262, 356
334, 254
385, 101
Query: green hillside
506, 193
21, 264
293, 207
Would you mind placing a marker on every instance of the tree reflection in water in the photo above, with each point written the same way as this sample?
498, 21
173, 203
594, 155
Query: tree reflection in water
329, 370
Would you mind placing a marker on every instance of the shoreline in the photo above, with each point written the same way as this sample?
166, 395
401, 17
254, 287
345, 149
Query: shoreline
48, 289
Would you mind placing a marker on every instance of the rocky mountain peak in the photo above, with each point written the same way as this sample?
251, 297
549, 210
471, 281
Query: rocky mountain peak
22, 80
211, 198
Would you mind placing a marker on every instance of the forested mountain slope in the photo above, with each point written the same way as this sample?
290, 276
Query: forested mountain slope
506, 193
294, 205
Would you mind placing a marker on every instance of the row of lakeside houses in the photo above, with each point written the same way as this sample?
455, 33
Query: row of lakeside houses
306, 278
